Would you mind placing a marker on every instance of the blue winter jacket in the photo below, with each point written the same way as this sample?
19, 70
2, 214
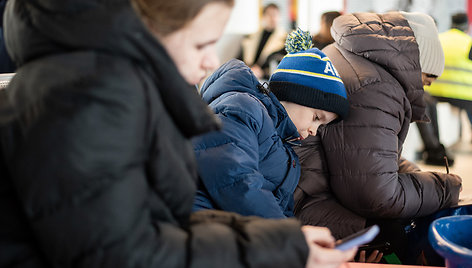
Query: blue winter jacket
249, 166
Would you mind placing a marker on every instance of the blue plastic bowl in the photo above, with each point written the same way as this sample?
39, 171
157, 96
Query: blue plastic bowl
451, 237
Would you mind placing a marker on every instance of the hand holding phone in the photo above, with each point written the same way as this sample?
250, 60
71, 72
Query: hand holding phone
362, 237
321, 248
372, 253
385, 246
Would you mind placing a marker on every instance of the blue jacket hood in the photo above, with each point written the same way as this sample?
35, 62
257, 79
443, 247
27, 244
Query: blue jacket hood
236, 76
232, 76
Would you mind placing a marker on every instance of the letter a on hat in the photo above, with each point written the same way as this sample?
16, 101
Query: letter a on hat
330, 68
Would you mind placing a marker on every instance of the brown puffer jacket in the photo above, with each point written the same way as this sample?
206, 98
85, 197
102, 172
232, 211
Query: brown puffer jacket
378, 59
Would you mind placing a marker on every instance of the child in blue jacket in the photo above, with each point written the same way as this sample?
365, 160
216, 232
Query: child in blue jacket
249, 166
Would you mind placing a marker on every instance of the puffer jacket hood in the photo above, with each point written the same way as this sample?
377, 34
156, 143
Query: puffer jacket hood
223, 80
38, 28
62, 25
218, 83
235, 76
394, 48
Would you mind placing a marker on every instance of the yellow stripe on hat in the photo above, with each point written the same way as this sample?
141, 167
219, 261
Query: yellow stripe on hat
308, 74
307, 55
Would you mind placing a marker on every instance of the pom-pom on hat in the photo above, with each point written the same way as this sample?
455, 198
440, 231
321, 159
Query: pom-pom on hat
307, 77
426, 35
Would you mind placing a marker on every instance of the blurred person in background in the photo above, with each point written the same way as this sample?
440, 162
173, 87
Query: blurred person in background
96, 166
323, 37
270, 38
454, 86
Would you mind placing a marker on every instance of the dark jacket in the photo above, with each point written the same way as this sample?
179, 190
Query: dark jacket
248, 167
6, 64
361, 173
96, 166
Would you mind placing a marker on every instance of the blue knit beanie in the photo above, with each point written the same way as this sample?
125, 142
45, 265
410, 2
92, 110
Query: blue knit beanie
307, 77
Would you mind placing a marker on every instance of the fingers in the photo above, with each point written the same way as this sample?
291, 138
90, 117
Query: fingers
361, 256
374, 257
322, 253
379, 257
350, 253
319, 235
328, 257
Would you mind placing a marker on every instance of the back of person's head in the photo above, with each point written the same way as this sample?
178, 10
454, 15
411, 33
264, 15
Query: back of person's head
460, 22
426, 35
166, 16
307, 77
328, 18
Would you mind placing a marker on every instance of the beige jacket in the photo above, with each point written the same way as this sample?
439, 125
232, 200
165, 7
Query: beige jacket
275, 42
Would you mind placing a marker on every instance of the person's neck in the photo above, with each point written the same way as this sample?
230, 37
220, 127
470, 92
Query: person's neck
269, 29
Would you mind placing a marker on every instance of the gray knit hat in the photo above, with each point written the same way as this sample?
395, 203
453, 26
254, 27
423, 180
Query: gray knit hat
426, 34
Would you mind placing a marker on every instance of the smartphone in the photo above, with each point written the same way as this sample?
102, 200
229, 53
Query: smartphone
382, 247
360, 238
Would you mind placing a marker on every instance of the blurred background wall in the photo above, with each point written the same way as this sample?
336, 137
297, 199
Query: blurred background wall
306, 15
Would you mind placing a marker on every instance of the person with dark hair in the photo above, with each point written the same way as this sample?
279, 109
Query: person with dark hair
323, 37
96, 166
454, 86
270, 38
